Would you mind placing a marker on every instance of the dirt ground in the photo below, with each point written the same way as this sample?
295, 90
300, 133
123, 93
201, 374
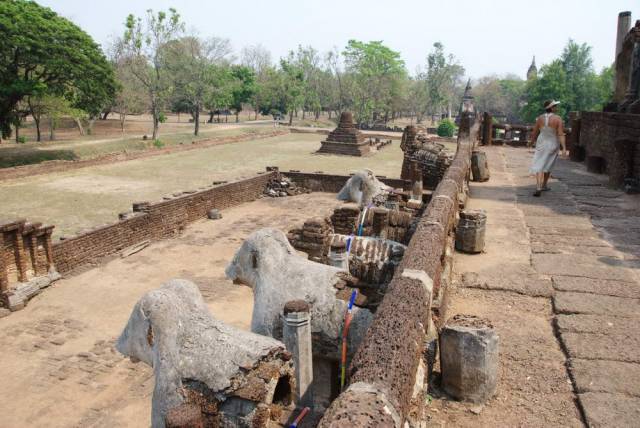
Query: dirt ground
87, 197
59, 367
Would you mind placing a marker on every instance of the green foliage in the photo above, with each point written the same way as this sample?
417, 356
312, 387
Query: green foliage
571, 80
158, 144
43, 53
444, 77
500, 96
162, 118
446, 128
145, 43
376, 72
22, 139
244, 87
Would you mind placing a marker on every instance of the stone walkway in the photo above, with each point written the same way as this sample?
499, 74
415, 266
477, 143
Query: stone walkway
559, 280
585, 237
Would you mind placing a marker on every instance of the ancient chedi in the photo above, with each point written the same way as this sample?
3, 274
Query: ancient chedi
346, 139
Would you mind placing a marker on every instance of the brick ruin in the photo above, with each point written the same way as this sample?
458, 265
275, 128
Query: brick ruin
346, 139
402, 264
608, 141
26, 262
424, 156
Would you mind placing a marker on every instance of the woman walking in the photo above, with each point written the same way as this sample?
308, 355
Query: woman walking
548, 133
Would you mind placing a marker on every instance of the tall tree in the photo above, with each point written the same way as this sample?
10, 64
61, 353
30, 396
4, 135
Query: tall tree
191, 63
258, 59
243, 89
377, 71
145, 41
444, 79
43, 54
130, 97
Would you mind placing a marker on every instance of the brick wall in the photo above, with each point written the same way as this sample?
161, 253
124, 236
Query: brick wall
609, 142
154, 221
331, 183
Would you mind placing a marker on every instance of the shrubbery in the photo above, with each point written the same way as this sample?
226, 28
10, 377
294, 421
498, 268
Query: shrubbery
158, 144
446, 128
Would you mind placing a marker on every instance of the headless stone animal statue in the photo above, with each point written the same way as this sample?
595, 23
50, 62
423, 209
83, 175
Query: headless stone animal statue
172, 330
362, 188
277, 274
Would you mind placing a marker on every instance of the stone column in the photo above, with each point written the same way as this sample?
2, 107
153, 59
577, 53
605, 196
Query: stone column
416, 181
487, 129
296, 336
338, 256
624, 24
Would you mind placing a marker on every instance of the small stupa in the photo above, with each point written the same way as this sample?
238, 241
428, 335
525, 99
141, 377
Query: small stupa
346, 139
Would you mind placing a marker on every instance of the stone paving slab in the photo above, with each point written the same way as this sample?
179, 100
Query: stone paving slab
615, 346
525, 283
539, 248
597, 286
596, 304
610, 410
581, 265
606, 376
564, 231
583, 241
599, 324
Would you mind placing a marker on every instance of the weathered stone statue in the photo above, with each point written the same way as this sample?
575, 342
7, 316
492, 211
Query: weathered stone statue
363, 188
277, 274
230, 374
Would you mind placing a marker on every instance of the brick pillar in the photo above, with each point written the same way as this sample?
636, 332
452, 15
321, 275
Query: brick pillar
20, 255
48, 250
4, 277
32, 238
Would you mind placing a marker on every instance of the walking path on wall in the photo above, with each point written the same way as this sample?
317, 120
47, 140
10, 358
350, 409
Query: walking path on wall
559, 281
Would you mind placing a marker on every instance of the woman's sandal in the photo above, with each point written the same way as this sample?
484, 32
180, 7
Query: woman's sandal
537, 193
546, 188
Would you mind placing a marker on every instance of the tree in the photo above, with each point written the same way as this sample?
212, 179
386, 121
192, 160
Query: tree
581, 79
291, 84
376, 71
191, 64
258, 59
571, 80
243, 89
444, 79
500, 95
130, 96
551, 84
145, 42
43, 54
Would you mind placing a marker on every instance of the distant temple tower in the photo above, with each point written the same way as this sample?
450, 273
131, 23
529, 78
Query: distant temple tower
532, 72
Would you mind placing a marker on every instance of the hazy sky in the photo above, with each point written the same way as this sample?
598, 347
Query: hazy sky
487, 36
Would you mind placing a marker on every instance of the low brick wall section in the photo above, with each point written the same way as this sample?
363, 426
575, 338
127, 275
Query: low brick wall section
61, 165
609, 143
384, 370
153, 221
331, 183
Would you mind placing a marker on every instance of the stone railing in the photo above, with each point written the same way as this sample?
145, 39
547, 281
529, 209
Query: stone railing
388, 372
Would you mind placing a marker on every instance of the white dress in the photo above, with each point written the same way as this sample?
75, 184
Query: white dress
547, 147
